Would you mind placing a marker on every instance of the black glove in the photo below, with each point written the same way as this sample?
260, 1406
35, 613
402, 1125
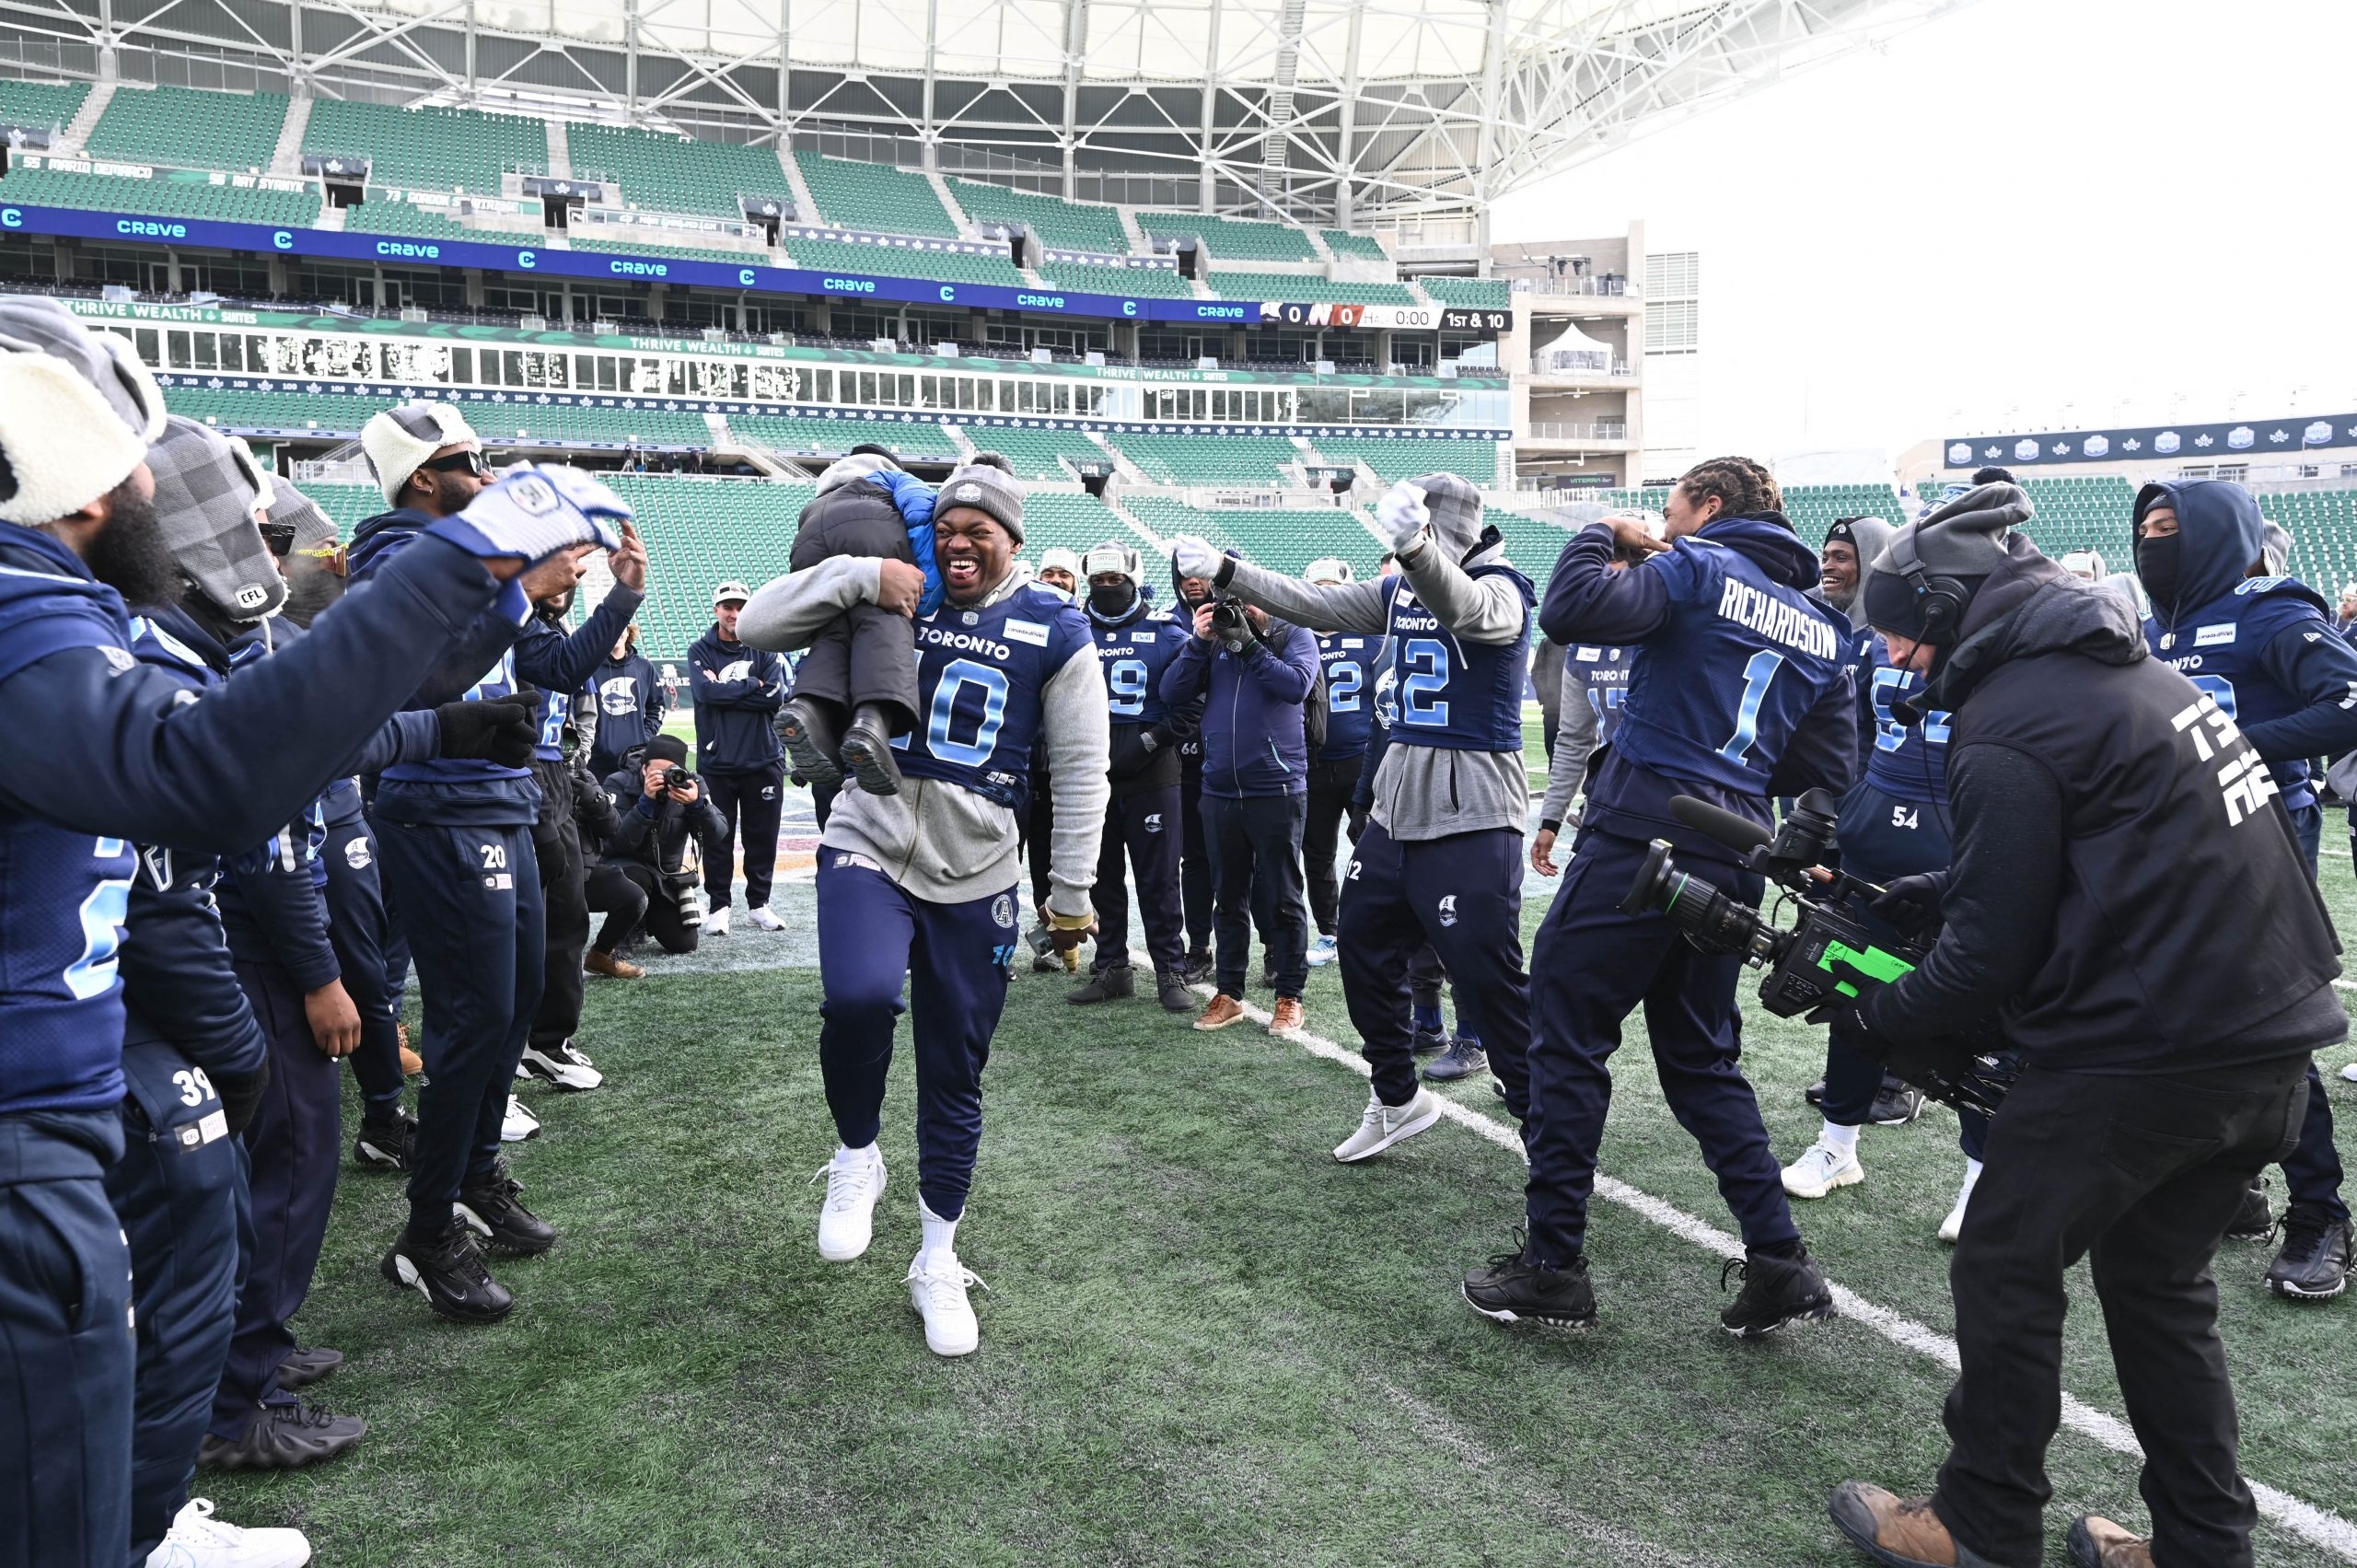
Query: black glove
241, 1095
1913, 903
1356, 821
500, 730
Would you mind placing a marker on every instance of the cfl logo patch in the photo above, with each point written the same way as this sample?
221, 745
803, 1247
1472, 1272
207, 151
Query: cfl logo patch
1449, 909
2244, 781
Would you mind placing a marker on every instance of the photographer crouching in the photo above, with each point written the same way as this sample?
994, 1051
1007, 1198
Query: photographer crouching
2128, 893
666, 825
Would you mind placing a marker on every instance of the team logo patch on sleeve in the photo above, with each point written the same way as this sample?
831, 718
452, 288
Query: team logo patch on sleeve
1029, 631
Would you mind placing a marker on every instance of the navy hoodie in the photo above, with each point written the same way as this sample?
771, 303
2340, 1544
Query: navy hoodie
1746, 688
1254, 743
630, 703
737, 688
2262, 647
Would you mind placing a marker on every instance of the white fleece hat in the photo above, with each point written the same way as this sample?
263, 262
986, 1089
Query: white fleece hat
398, 439
62, 443
1057, 557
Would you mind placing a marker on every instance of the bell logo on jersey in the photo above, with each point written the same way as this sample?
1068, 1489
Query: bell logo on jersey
2244, 781
1449, 909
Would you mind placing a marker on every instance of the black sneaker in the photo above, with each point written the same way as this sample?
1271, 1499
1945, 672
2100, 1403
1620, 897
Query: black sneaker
492, 1210
1895, 1105
306, 1364
448, 1271
1815, 1093
1775, 1292
284, 1437
1463, 1057
1170, 987
386, 1146
2254, 1221
1513, 1290
1426, 1041
1118, 983
1201, 968
2314, 1263
809, 741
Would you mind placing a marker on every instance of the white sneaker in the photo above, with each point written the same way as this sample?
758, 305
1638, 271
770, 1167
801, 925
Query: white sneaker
1953, 1226
564, 1066
2349, 1072
716, 924
1384, 1125
518, 1123
761, 916
937, 1291
1321, 952
1822, 1169
197, 1540
854, 1180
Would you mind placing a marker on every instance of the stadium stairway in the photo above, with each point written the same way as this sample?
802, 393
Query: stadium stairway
806, 206
286, 158
560, 151
77, 131
949, 202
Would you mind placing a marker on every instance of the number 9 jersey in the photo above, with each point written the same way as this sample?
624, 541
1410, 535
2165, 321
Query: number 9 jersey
979, 675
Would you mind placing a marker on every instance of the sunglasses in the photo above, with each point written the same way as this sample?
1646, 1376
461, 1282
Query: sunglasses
279, 536
459, 463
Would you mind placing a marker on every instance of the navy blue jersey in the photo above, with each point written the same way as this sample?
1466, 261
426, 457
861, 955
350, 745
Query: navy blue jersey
1458, 695
1351, 661
1134, 653
1730, 675
2223, 648
558, 662
979, 675
1908, 760
1602, 672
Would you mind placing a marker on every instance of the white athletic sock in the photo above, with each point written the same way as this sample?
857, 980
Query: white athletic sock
940, 1235
845, 1155
1842, 1140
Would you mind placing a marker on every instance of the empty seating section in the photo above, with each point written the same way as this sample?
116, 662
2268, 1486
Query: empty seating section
665, 248
673, 174
1533, 545
408, 217
1360, 246
802, 436
2323, 526
1070, 225
1397, 458
900, 262
182, 126
1813, 507
1283, 539
236, 410
2087, 512
870, 196
1232, 239
196, 198
1477, 292
1293, 285
1034, 452
441, 149
348, 506
526, 423
43, 104
701, 532
1212, 458
1075, 521
1143, 283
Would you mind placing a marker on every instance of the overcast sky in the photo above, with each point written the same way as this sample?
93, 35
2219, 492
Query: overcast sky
2033, 214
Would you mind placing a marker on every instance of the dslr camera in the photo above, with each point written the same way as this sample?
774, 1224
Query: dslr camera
677, 780
1229, 623
1831, 956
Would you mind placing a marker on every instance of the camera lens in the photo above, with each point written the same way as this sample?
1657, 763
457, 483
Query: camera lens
1711, 920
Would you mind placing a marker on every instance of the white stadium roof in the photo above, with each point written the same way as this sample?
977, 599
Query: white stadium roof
1327, 110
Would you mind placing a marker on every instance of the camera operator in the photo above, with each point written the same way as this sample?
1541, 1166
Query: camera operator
143, 763
1440, 858
664, 827
1742, 690
1252, 677
2130, 899
2257, 644
1187, 595
631, 703
1349, 663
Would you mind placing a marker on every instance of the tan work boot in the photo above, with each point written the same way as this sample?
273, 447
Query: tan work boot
1899, 1532
611, 966
1222, 1011
1288, 1015
2097, 1542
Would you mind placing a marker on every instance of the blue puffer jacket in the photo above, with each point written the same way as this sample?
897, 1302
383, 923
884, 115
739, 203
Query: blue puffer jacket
1254, 740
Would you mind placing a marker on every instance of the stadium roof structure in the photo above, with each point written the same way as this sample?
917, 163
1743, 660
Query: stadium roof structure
1353, 112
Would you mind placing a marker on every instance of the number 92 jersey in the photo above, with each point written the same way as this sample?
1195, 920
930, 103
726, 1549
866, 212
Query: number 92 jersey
979, 674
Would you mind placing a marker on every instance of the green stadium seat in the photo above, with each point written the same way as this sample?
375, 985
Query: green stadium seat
674, 174
438, 149
905, 261
180, 126
1074, 521
1398, 457
665, 248
873, 197
43, 104
1813, 507
1292, 285
407, 217
1233, 239
1358, 246
1212, 458
1281, 539
163, 197
805, 436
522, 421
700, 532
1070, 225
1142, 282
1483, 294
1034, 452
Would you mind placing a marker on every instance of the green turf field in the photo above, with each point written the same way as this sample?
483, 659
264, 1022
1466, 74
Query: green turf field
1204, 1342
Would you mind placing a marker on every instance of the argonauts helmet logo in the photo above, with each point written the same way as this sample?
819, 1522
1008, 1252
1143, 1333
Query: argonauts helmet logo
1449, 909
617, 697
1154, 821
355, 854
742, 670
1002, 910
1386, 699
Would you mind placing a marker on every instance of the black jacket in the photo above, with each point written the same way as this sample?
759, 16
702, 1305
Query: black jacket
654, 832
2122, 896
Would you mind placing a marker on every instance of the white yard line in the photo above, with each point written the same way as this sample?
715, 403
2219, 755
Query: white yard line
2319, 1526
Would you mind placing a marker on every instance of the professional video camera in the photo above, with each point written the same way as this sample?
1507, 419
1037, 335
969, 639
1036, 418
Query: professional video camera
1830, 957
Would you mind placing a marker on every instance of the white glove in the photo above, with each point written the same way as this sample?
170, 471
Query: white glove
1194, 557
536, 510
1403, 515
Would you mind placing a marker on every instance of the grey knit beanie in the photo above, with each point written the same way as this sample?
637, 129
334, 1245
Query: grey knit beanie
987, 488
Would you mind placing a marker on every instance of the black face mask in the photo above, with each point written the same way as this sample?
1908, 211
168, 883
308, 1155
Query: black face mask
131, 556
2156, 563
1110, 601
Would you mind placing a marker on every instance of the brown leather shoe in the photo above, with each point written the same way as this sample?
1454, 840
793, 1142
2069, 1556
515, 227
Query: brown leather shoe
2097, 1542
1900, 1532
612, 968
1288, 1015
412, 1062
1222, 1011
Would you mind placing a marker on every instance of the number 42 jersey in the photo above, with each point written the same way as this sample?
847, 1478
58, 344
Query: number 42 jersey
979, 675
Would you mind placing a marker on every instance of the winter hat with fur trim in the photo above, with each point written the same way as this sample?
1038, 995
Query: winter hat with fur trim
62, 442
206, 490
398, 439
32, 324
